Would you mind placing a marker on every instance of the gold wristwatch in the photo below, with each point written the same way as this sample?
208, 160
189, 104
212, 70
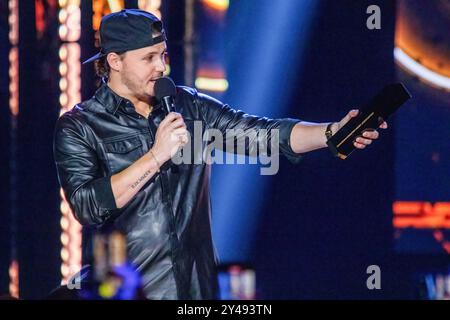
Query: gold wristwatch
328, 132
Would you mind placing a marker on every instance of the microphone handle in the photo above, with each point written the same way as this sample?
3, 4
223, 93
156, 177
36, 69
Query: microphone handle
168, 104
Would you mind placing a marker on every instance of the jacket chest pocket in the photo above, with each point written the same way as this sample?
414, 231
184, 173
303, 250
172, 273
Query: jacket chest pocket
121, 154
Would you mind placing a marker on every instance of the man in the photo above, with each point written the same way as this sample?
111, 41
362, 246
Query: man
112, 154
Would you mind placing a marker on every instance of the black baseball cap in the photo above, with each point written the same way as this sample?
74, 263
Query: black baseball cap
127, 30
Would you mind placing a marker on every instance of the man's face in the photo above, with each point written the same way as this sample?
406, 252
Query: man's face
141, 68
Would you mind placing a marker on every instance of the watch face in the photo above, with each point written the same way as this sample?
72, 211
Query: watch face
328, 132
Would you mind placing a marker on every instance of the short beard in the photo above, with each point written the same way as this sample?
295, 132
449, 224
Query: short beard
131, 85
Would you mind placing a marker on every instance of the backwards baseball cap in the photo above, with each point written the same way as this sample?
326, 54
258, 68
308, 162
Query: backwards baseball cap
127, 30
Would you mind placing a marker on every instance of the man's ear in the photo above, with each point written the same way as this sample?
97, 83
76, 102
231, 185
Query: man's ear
114, 61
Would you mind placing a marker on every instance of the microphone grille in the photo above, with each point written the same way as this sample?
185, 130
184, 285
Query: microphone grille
164, 87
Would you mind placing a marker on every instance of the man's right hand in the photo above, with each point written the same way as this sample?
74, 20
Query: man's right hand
170, 136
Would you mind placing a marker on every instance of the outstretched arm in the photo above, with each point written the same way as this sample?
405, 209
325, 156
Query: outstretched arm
306, 136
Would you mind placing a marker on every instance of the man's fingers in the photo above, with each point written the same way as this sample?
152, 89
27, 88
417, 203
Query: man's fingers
371, 135
353, 113
359, 145
363, 141
184, 139
180, 131
178, 123
350, 114
180, 136
384, 125
170, 118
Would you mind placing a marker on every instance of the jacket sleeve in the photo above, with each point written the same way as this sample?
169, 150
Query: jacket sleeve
89, 193
249, 131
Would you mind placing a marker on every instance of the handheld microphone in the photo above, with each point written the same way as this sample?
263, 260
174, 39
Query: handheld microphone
165, 92
370, 117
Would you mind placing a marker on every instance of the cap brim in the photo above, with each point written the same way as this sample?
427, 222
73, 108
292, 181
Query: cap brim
95, 57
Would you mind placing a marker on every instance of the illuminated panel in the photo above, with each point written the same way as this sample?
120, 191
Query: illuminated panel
421, 215
69, 18
39, 18
70, 84
412, 66
69, 70
210, 74
152, 6
424, 215
116, 5
14, 279
13, 57
211, 84
101, 8
211, 78
70, 241
219, 5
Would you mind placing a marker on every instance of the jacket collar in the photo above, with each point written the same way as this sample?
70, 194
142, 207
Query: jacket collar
112, 101
109, 99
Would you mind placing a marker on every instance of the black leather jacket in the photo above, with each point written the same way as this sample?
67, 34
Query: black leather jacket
167, 224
